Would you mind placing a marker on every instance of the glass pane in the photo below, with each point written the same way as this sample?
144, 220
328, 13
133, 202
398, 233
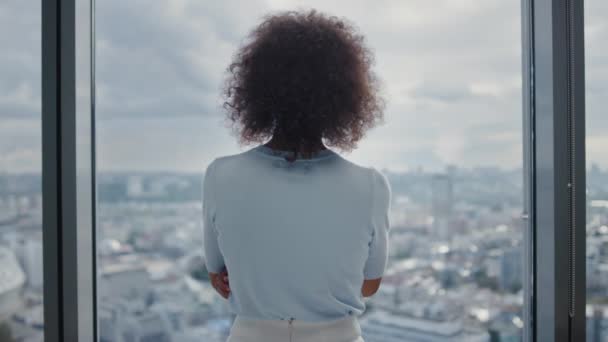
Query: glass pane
596, 35
451, 148
21, 275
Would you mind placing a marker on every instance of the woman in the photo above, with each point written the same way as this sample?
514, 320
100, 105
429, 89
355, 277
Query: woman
296, 235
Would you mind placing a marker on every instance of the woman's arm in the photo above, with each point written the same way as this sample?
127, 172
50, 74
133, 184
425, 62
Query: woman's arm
370, 286
214, 260
378, 244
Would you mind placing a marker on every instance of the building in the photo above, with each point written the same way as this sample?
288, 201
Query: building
12, 279
381, 326
123, 278
126, 321
30, 255
597, 323
442, 200
511, 270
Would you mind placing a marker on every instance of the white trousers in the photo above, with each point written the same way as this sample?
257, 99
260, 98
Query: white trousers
253, 330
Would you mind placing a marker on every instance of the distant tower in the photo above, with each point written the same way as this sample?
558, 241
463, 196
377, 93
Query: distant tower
442, 199
511, 269
30, 255
135, 186
397, 296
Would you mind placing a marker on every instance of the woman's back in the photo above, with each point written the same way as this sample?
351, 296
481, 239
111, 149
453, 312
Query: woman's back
297, 238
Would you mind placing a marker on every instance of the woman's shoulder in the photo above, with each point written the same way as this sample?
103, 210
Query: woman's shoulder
379, 179
370, 178
370, 175
370, 172
381, 186
228, 161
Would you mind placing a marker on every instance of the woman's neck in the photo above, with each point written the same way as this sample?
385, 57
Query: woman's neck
306, 151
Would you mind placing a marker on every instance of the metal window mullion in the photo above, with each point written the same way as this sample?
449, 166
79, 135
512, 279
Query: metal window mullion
528, 214
559, 172
577, 48
67, 162
50, 172
67, 173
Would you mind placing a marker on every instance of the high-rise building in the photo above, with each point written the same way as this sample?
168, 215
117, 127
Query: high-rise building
510, 269
12, 280
442, 199
30, 255
380, 326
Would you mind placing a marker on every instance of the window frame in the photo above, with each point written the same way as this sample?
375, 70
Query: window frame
68, 177
553, 213
528, 213
554, 172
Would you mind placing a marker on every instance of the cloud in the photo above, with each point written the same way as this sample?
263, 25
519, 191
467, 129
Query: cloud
168, 60
160, 144
441, 92
20, 60
451, 71
596, 59
20, 145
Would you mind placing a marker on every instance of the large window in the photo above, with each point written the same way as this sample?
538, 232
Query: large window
596, 36
21, 271
451, 148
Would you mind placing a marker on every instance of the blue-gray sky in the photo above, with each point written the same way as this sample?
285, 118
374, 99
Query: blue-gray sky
451, 71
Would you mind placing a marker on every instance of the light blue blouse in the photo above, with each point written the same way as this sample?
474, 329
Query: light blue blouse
298, 238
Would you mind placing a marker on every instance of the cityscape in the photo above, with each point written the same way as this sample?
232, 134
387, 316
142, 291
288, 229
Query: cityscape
455, 273
452, 75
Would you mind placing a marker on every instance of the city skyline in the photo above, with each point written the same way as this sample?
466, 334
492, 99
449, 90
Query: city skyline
460, 254
149, 256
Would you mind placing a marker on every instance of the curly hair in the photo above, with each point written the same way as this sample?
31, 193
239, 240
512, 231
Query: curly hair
304, 77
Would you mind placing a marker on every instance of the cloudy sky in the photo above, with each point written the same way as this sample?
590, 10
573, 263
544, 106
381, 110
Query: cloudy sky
451, 71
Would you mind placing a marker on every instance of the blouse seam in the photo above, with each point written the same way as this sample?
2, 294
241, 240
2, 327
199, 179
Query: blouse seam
213, 196
371, 227
374, 194
278, 157
373, 204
